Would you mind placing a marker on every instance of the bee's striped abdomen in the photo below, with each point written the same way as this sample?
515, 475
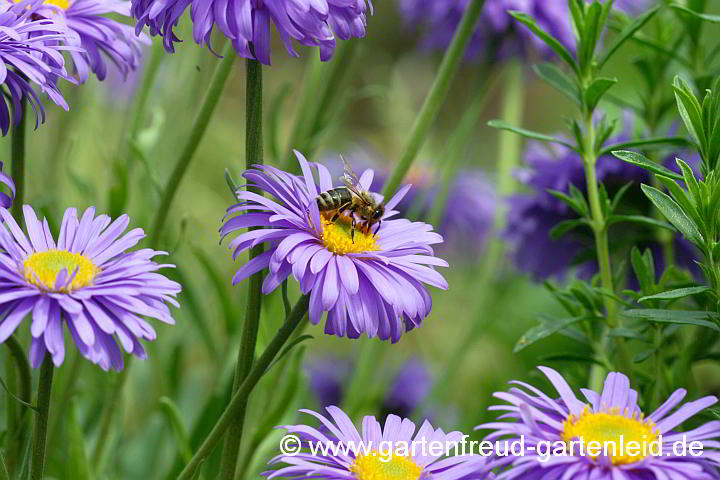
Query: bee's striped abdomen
333, 199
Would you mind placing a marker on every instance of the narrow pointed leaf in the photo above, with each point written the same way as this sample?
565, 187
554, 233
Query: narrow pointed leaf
642, 161
499, 124
627, 33
597, 89
551, 41
676, 317
674, 214
677, 293
558, 79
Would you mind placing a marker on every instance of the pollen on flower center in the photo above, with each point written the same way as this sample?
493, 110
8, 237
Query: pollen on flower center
613, 431
381, 467
64, 4
337, 238
42, 269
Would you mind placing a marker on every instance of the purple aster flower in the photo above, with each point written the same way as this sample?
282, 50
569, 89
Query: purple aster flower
87, 281
247, 23
611, 417
99, 35
533, 215
367, 455
369, 283
497, 33
409, 388
32, 57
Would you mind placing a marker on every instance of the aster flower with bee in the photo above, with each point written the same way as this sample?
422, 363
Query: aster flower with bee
371, 282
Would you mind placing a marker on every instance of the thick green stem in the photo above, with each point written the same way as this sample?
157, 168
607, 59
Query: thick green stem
212, 96
17, 158
246, 353
437, 95
240, 397
37, 462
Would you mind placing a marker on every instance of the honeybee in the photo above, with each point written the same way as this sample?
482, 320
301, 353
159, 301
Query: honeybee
353, 199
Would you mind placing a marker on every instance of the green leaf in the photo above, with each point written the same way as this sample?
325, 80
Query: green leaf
545, 329
690, 111
626, 333
677, 293
597, 89
175, 419
701, 16
590, 35
4, 475
499, 124
558, 79
551, 41
680, 195
648, 144
690, 180
676, 317
644, 355
647, 221
674, 214
17, 399
627, 33
565, 226
568, 357
642, 161
643, 268
78, 466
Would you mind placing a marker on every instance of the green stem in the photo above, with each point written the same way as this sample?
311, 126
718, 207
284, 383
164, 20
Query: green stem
246, 352
17, 157
240, 397
37, 464
111, 407
322, 85
600, 230
437, 95
212, 96
16, 419
153, 67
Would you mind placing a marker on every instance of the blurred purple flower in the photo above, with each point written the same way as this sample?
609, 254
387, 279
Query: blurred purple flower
328, 377
99, 35
533, 215
31, 52
497, 33
409, 388
88, 282
247, 23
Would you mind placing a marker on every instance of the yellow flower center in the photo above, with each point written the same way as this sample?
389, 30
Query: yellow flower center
64, 4
613, 432
337, 237
42, 269
376, 466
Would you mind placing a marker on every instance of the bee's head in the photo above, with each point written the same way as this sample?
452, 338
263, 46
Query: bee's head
379, 211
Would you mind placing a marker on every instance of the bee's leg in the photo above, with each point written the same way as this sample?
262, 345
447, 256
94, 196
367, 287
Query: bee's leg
352, 230
378, 228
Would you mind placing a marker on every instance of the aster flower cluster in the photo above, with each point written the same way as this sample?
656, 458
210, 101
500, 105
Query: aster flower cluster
497, 34
247, 24
371, 283
86, 282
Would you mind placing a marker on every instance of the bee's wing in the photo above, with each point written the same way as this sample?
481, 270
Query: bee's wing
349, 176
